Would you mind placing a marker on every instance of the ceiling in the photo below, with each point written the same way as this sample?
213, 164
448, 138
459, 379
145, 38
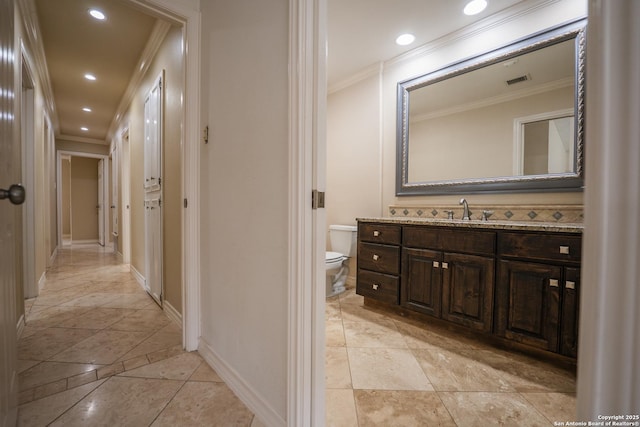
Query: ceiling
361, 34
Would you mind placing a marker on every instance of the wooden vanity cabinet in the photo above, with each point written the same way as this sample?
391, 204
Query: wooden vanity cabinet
378, 275
449, 274
520, 285
537, 290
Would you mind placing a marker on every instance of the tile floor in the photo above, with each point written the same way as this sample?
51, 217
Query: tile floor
387, 370
97, 351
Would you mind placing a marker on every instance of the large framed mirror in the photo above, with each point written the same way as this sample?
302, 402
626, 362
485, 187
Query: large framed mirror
510, 120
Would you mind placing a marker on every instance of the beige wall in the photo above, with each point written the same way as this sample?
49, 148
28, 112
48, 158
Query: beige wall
84, 199
353, 152
170, 59
244, 192
399, 70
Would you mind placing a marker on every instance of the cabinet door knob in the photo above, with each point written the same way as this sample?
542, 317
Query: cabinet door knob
375, 286
445, 265
376, 233
375, 257
436, 264
570, 285
553, 283
564, 250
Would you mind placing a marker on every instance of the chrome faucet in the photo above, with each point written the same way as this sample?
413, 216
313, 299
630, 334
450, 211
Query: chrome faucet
465, 209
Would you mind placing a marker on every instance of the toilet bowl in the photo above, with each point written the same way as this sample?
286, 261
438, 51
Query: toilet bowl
343, 246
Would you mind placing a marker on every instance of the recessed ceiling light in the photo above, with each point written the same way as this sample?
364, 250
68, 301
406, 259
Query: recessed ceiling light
474, 7
97, 14
405, 39
84, 129
87, 109
89, 77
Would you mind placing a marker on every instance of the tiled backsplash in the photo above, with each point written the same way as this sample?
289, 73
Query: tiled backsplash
538, 213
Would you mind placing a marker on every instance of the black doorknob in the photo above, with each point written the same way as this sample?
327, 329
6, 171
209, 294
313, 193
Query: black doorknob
15, 194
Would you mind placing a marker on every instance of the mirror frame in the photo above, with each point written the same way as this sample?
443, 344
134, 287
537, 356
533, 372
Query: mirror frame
572, 181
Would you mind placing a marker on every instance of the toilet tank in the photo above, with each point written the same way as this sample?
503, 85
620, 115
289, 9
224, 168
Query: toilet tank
343, 239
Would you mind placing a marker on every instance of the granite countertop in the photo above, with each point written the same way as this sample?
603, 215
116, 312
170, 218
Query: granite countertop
558, 227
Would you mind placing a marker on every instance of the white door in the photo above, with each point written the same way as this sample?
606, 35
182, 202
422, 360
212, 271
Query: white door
9, 234
153, 106
153, 248
100, 205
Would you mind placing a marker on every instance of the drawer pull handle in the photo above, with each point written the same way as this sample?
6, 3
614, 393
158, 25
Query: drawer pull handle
445, 265
436, 264
376, 257
553, 283
375, 286
564, 250
376, 233
570, 284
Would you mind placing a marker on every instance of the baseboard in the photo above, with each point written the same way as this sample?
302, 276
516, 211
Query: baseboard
20, 326
53, 256
85, 242
138, 276
261, 409
43, 279
172, 313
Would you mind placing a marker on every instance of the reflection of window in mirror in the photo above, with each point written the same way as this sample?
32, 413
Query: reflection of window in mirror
544, 144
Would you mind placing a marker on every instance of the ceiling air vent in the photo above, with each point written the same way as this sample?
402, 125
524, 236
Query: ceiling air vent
518, 79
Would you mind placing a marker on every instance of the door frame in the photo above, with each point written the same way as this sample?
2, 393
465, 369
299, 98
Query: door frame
27, 139
105, 184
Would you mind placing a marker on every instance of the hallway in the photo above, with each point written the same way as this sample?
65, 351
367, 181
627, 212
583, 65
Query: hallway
96, 350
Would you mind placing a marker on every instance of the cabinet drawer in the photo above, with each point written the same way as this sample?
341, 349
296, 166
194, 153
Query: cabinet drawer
446, 239
540, 246
380, 258
380, 233
381, 287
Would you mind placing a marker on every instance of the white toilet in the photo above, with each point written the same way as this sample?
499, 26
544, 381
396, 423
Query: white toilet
343, 246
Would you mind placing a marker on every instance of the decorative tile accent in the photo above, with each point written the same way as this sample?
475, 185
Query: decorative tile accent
573, 214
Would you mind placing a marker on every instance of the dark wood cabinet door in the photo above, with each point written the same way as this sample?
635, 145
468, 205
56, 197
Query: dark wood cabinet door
467, 290
421, 281
528, 303
570, 312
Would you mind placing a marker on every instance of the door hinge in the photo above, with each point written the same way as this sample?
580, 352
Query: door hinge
317, 199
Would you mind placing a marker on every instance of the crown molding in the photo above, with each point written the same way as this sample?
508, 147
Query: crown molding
492, 21
35, 51
159, 32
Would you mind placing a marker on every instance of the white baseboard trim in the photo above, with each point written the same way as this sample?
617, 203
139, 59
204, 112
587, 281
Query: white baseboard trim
84, 242
172, 313
53, 256
261, 409
43, 279
138, 276
20, 326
